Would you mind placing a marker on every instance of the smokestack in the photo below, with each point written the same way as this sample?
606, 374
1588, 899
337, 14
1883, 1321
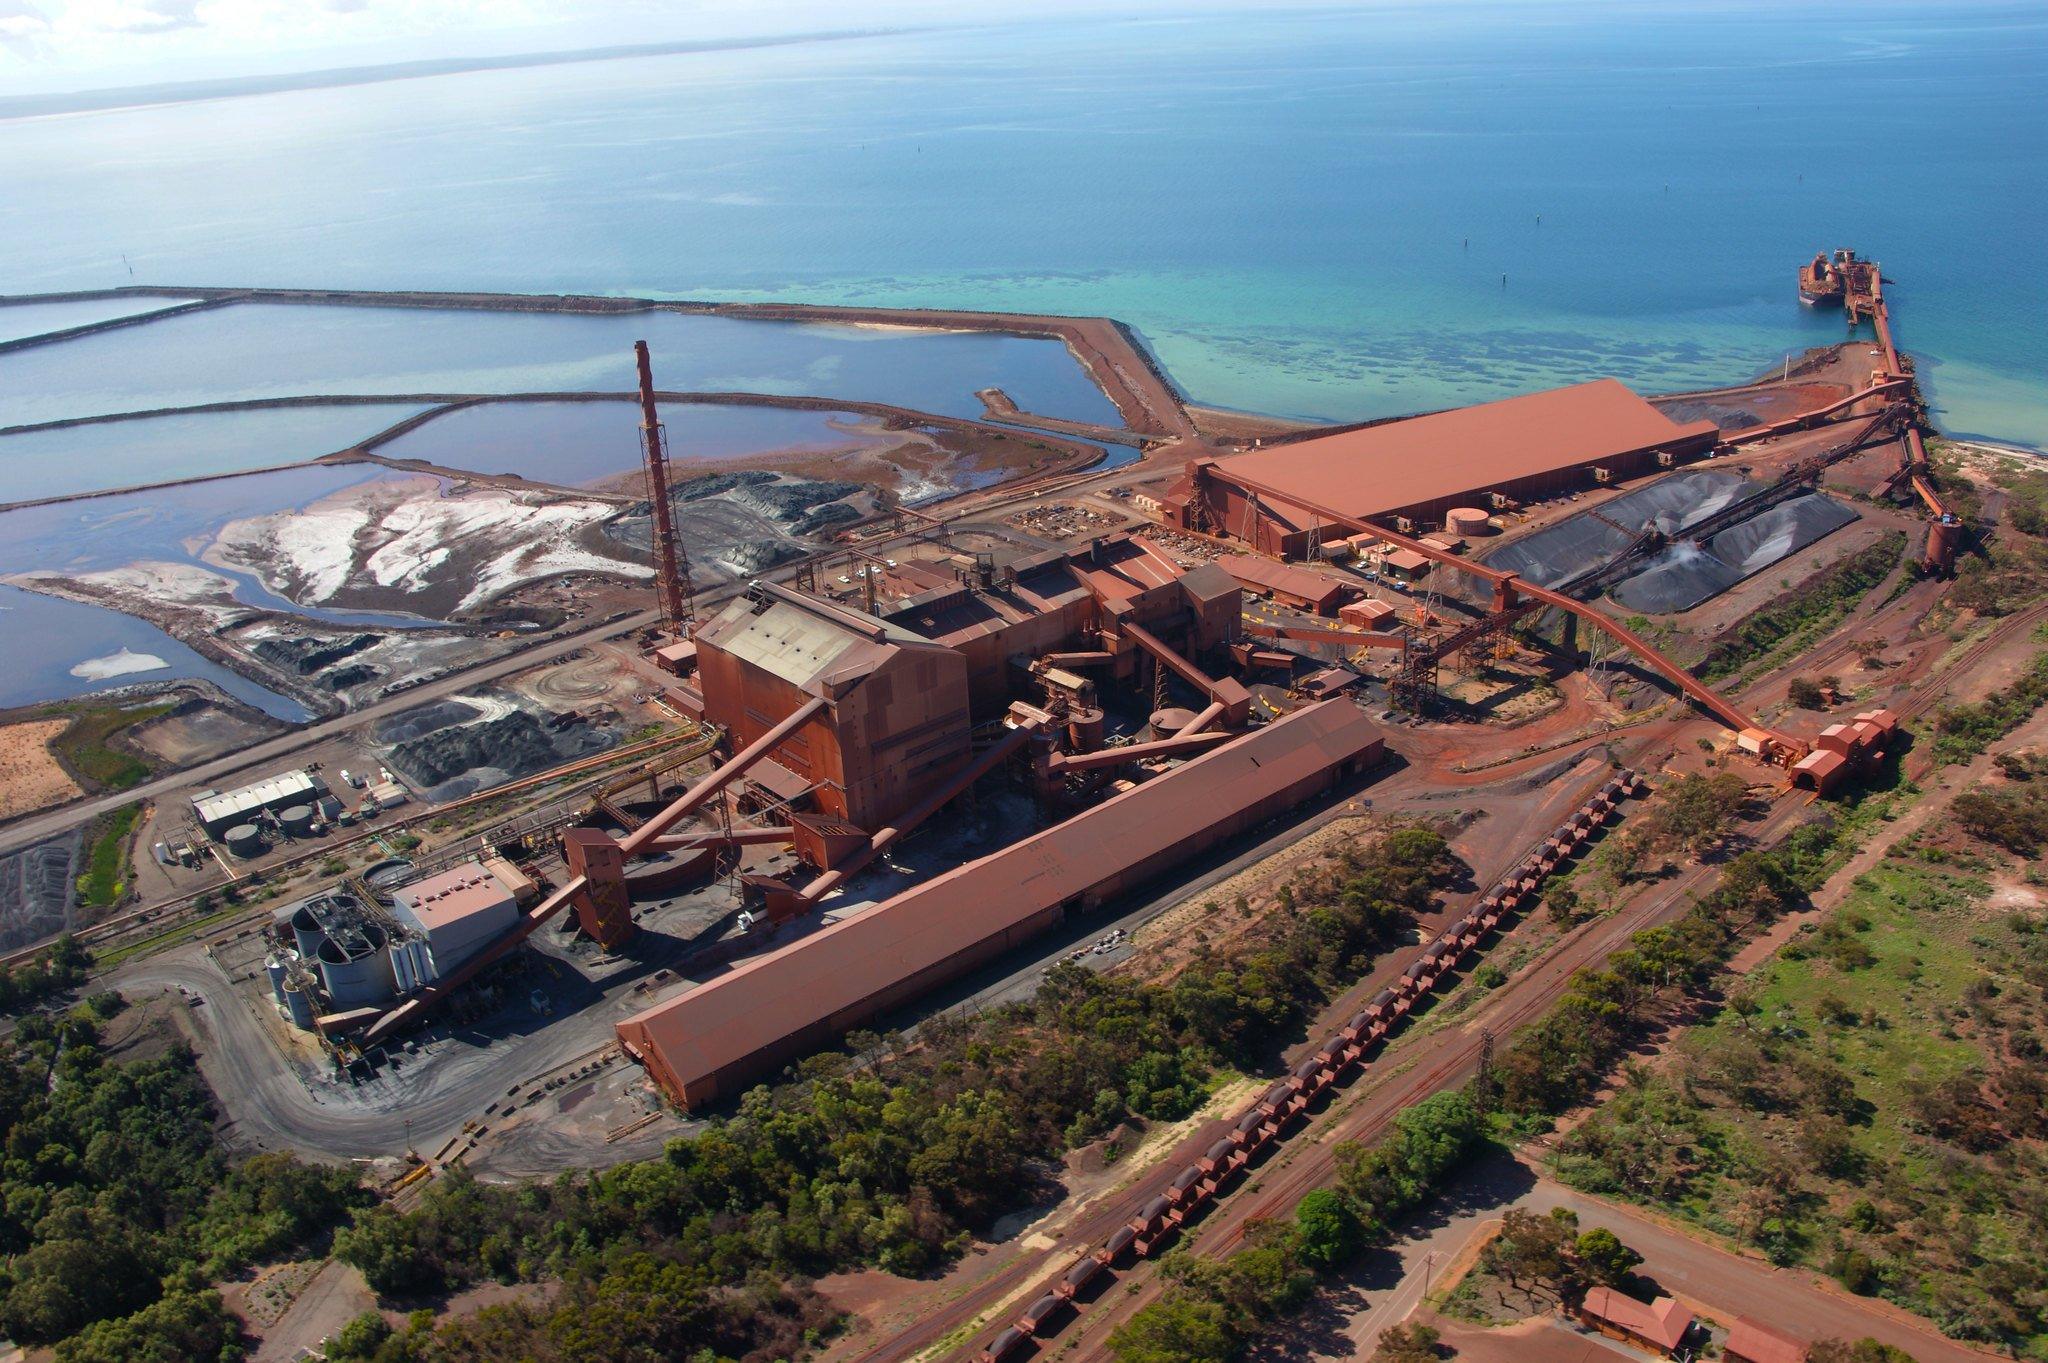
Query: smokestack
671, 562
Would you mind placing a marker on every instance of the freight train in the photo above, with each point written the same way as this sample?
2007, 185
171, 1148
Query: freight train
1261, 1125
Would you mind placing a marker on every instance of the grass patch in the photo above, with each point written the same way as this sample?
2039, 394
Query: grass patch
87, 746
106, 858
1865, 1102
1966, 730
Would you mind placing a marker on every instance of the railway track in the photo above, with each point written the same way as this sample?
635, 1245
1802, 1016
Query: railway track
1154, 1217
1313, 1163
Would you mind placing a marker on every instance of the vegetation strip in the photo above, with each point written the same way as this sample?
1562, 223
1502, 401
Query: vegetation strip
1212, 1314
1261, 1127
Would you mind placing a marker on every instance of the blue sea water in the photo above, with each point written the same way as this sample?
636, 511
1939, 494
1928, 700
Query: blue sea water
1336, 214
44, 637
1307, 212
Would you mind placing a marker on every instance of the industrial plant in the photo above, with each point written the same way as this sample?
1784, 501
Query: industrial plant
557, 909
1153, 693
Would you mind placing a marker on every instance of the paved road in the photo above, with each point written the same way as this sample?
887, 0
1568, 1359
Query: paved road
272, 750
272, 1107
1709, 1279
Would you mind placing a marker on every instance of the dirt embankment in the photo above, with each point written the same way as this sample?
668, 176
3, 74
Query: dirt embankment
31, 777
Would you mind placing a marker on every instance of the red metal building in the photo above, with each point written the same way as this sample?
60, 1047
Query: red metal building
896, 724
722, 1035
1519, 449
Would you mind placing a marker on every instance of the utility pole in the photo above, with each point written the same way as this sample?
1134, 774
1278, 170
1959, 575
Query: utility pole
671, 562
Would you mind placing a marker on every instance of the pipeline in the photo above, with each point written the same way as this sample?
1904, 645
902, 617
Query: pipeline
1336, 638
883, 840
1182, 744
1228, 692
1339, 1060
1750, 434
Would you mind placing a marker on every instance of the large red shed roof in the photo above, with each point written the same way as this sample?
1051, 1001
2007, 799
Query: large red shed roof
1375, 470
760, 1003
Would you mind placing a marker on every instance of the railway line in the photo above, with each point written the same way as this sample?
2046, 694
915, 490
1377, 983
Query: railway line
1113, 1231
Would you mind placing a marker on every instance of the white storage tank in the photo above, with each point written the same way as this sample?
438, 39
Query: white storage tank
1469, 521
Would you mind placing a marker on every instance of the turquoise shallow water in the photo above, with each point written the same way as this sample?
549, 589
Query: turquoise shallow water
1282, 204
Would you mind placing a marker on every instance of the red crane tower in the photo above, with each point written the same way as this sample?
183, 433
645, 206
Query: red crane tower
671, 560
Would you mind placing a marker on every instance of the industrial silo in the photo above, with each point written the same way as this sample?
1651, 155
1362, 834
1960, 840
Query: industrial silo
355, 966
299, 1004
277, 970
245, 840
307, 934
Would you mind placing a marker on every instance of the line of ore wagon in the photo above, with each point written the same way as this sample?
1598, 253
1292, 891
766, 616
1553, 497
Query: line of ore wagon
1337, 1059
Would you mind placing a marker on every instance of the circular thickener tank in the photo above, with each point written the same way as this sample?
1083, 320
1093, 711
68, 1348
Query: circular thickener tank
388, 873
245, 840
357, 969
1171, 720
1467, 520
298, 820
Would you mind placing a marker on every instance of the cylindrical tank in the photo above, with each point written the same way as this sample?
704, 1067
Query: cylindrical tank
299, 1006
1171, 720
1467, 520
306, 934
297, 821
1084, 729
357, 969
245, 840
276, 969
1941, 544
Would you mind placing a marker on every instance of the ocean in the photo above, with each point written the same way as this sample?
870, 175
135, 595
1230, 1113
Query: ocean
1327, 214
1334, 214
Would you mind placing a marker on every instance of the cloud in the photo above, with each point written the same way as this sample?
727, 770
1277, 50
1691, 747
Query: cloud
156, 16
22, 26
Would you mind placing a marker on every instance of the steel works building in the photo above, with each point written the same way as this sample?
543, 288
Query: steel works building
1410, 473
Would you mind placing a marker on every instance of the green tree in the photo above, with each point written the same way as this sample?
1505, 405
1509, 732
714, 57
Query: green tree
1329, 1230
1865, 1350
1413, 1343
183, 1327
1178, 1328
360, 1339
386, 1247
1534, 1250
1602, 1260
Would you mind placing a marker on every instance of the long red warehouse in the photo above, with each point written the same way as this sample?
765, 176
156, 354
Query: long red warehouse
1537, 445
731, 1030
